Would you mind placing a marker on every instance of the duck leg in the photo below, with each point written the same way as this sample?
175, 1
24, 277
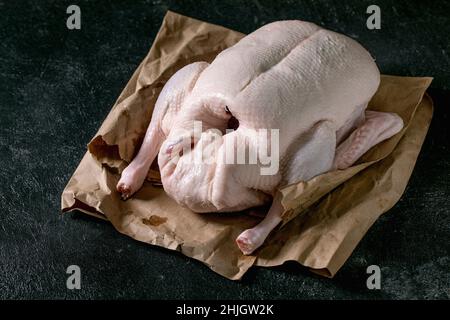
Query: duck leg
167, 106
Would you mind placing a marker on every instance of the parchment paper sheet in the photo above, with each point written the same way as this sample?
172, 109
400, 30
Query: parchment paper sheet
325, 217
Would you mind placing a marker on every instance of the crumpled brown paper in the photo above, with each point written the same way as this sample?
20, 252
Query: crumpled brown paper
337, 208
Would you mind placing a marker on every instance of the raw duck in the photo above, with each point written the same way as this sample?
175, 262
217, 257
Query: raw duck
307, 86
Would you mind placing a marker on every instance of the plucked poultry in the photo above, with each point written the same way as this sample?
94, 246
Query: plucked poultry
304, 87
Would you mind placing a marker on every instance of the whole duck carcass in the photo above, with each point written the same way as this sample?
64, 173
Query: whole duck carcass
304, 87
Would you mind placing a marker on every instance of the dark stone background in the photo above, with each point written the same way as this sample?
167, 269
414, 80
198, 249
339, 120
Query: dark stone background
58, 85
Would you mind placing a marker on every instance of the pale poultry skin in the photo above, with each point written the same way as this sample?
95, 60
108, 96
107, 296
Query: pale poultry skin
310, 84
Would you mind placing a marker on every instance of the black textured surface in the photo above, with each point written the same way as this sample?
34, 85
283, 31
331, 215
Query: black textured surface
58, 85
